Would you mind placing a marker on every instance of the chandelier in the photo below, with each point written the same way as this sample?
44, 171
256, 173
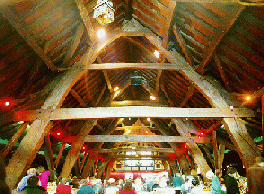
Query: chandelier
104, 12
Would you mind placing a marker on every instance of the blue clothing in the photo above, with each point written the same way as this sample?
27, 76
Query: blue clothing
177, 181
85, 189
216, 185
23, 183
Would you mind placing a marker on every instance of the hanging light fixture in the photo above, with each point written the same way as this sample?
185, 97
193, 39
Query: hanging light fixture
104, 12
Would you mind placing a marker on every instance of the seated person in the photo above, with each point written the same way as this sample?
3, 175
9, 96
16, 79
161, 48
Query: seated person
128, 189
23, 183
63, 188
33, 187
84, 188
75, 182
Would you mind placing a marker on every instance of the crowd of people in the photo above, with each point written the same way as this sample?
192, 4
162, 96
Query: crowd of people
36, 182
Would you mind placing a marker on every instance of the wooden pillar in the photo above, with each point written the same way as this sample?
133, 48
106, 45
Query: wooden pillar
48, 153
173, 166
83, 160
221, 155
262, 104
109, 169
215, 149
77, 167
56, 163
89, 164
76, 146
101, 170
26, 151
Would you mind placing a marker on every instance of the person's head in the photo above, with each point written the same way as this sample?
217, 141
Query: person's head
209, 174
128, 185
33, 180
195, 181
40, 169
178, 174
32, 170
231, 170
93, 181
83, 182
111, 181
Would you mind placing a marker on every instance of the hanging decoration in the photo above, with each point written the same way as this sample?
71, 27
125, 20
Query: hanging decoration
104, 12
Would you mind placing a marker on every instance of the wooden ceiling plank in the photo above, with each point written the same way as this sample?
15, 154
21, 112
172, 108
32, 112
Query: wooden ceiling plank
17, 23
225, 25
75, 42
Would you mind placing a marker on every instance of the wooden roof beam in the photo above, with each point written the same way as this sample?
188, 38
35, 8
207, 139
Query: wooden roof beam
151, 149
19, 25
133, 138
136, 103
131, 111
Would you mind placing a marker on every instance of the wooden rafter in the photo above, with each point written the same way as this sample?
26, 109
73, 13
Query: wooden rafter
170, 11
74, 45
86, 19
182, 43
77, 97
222, 73
188, 95
19, 25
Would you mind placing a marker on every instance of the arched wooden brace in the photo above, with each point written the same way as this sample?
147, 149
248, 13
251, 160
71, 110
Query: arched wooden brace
173, 166
247, 149
192, 146
89, 164
109, 169
76, 146
31, 143
101, 169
